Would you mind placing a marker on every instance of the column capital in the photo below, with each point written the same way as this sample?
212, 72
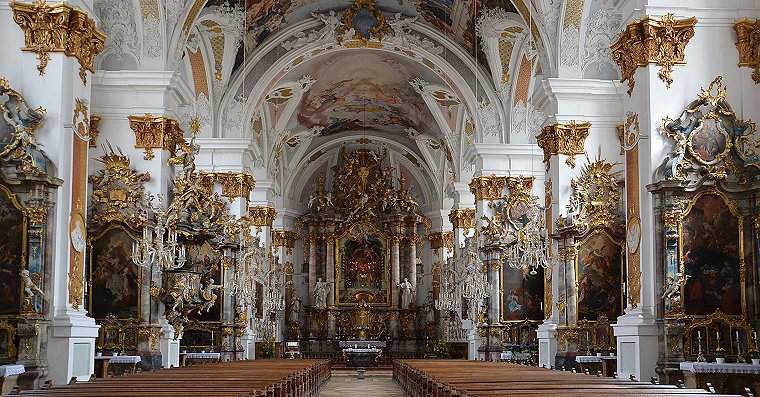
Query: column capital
155, 132
284, 238
488, 187
564, 138
261, 215
59, 28
462, 218
440, 240
235, 183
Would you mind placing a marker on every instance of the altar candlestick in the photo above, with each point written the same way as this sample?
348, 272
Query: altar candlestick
699, 334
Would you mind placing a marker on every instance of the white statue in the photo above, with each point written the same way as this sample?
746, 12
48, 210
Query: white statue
321, 289
429, 308
295, 309
331, 22
399, 24
30, 288
208, 295
406, 293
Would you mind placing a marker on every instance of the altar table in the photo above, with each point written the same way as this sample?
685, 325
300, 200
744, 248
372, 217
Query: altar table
726, 378
361, 358
608, 364
209, 357
8, 377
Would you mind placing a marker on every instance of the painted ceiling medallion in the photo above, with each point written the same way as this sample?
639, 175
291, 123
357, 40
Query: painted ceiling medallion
365, 21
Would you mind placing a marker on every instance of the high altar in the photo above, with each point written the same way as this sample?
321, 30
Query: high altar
361, 239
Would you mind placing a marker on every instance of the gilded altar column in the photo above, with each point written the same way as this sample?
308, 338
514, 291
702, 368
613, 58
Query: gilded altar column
330, 275
395, 270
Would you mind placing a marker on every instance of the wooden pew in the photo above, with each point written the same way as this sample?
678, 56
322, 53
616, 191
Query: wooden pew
445, 378
272, 378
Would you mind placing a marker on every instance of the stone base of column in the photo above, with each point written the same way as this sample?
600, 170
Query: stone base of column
168, 345
71, 347
473, 343
636, 335
547, 344
247, 340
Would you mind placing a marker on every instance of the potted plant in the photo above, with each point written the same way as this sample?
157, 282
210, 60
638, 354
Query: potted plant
755, 356
719, 352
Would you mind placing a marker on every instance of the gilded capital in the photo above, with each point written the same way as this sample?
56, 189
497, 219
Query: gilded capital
563, 138
488, 187
36, 215
463, 218
58, 28
440, 240
748, 45
261, 215
235, 184
155, 132
658, 40
284, 238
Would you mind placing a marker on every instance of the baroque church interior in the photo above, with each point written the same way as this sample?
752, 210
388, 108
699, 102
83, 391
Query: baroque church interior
379, 197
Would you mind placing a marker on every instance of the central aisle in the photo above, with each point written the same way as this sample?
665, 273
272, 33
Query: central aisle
374, 384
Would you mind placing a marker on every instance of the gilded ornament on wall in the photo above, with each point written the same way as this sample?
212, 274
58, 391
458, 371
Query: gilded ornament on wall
709, 140
366, 21
284, 238
20, 121
155, 132
59, 28
118, 192
658, 40
596, 196
488, 187
94, 129
568, 139
748, 45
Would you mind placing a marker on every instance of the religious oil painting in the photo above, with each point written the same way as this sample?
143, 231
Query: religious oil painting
113, 275
599, 277
11, 254
523, 293
710, 235
206, 261
708, 141
362, 271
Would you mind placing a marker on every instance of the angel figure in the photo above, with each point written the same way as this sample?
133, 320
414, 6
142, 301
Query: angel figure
406, 293
30, 288
399, 24
673, 287
208, 295
331, 23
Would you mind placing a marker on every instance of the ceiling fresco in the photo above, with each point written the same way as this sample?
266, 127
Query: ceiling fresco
374, 94
455, 18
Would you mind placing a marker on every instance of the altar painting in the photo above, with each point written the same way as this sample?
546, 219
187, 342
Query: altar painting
362, 272
710, 255
599, 277
206, 261
11, 253
113, 276
522, 294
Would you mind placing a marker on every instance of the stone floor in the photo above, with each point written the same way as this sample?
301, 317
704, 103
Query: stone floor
374, 384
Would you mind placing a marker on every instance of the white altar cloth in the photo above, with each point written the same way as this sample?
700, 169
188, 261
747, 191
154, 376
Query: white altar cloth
11, 370
125, 359
715, 368
203, 356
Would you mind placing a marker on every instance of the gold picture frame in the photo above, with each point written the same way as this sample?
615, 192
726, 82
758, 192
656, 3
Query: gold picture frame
345, 235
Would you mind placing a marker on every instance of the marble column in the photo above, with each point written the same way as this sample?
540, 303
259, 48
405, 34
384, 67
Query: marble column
395, 270
312, 264
330, 270
413, 262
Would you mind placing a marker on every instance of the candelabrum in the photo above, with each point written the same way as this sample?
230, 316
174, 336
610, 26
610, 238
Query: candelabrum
700, 355
158, 248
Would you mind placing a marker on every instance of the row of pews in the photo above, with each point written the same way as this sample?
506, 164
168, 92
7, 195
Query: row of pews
445, 378
272, 378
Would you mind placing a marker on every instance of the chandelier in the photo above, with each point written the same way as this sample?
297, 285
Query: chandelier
244, 277
531, 249
447, 293
158, 248
274, 296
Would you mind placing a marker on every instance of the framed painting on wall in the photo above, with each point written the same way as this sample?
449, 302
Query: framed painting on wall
598, 277
113, 277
